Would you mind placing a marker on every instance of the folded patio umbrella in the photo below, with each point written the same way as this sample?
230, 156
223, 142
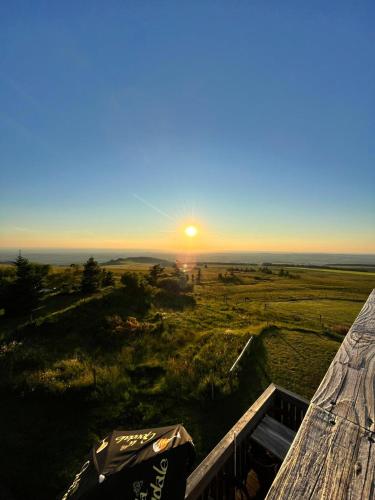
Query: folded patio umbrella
147, 464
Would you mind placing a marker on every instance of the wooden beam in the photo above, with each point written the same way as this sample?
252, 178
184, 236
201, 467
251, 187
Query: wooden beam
347, 389
330, 459
333, 454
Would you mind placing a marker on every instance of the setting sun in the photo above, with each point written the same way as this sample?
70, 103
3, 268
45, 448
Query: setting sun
191, 231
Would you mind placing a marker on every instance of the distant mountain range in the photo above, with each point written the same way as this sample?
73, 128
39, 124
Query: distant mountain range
137, 260
67, 257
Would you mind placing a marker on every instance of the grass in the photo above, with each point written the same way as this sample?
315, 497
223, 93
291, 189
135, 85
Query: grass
79, 368
352, 271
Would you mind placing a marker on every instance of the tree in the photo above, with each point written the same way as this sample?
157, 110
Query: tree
23, 294
107, 278
155, 273
91, 276
199, 275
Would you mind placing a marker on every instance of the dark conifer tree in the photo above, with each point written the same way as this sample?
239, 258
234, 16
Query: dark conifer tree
91, 276
23, 294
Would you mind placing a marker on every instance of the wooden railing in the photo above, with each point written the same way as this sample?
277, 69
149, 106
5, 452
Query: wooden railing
333, 454
228, 462
288, 408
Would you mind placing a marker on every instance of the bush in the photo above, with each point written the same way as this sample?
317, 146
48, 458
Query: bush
265, 270
131, 281
230, 278
155, 273
175, 285
138, 292
119, 326
108, 278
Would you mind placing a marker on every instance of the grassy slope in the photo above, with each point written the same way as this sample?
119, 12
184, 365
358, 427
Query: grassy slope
161, 377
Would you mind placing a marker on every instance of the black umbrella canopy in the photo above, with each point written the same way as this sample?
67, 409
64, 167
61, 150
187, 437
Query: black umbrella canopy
146, 464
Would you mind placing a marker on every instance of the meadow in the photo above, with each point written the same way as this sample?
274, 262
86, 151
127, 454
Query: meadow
81, 366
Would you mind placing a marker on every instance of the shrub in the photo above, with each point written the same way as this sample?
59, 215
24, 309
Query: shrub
230, 278
175, 285
119, 326
138, 292
155, 273
108, 278
265, 270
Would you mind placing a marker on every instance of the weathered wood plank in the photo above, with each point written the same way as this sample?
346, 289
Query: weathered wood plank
347, 389
331, 458
273, 436
333, 454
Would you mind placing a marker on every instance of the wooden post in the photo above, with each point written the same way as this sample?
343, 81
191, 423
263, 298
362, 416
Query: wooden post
233, 367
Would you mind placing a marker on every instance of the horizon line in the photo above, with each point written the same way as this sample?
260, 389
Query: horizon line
219, 252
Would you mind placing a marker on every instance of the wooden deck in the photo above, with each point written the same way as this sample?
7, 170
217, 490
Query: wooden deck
333, 454
273, 436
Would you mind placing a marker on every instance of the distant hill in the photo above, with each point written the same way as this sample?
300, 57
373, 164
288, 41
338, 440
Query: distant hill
137, 260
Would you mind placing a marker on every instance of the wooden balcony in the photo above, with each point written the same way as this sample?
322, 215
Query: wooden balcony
271, 422
327, 454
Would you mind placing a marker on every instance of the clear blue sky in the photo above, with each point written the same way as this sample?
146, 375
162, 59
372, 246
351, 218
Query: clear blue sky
122, 121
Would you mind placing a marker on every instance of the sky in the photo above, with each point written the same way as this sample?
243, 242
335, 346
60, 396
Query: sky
123, 122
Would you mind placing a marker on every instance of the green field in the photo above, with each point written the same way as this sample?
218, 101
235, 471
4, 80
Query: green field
79, 367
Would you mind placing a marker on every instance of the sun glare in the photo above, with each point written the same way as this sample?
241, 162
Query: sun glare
191, 231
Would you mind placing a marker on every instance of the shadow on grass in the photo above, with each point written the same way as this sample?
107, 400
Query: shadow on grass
36, 448
177, 302
210, 420
80, 325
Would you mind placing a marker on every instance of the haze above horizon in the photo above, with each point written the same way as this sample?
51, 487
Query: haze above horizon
124, 125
